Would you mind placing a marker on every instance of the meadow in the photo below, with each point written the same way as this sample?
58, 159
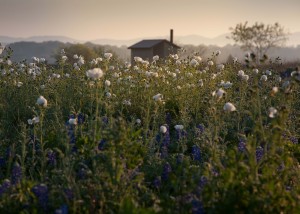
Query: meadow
172, 135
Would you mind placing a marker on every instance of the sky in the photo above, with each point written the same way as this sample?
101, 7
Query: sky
129, 19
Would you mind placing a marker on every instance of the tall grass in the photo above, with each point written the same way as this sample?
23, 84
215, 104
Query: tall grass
99, 148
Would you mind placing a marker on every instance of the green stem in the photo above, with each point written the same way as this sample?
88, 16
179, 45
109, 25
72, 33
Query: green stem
96, 113
43, 160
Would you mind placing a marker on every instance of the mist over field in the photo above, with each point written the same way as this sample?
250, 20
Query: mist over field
48, 46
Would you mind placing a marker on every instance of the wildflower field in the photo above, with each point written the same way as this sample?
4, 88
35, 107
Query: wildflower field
167, 136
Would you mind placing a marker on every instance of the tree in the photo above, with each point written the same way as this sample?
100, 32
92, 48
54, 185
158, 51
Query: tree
258, 38
79, 49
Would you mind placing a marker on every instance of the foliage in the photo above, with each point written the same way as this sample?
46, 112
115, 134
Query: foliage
258, 38
149, 138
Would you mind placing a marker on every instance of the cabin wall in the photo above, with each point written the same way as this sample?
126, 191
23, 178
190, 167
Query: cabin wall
168, 49
144, 53
159, 50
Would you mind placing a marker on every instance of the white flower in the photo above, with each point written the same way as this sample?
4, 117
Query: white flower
29, 121
274, 90
200, 82
226, 85
127, 65
137, 59
268, 72
241, 73
42, 101
220, 67
178, 127
77, 68
95, 73
194, 63
210, 63
99, 59
189, 74
293, 73
278, 79
148, 73
145, 63
154, 74
155, 58
163, 129
80, 61
108, 55
264, 78
93, 62
255, 70
127, 102
229, 107
91, 84
75, 56
116, 75
42, 60
73, 121
157, 97
151, 74
219, 93
138, 121
19, 84
272, 112
175, 56
245, 77
296, 74
64, 58
107, 83
234, 59
198, 58
33, 120
108, 94
174, 75
35, 59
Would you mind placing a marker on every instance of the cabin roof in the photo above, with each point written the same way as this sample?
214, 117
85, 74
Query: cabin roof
149, 43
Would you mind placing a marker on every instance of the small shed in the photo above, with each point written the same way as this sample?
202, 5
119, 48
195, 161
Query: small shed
146, 49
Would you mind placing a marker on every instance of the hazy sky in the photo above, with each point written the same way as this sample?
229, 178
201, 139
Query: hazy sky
127, 19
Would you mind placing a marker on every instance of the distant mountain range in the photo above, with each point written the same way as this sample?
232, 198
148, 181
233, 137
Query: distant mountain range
4, 40
48, 46
221, 40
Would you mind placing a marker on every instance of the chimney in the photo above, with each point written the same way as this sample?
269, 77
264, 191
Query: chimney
171, 36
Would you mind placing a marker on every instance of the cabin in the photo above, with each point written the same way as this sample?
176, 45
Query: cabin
148, 48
